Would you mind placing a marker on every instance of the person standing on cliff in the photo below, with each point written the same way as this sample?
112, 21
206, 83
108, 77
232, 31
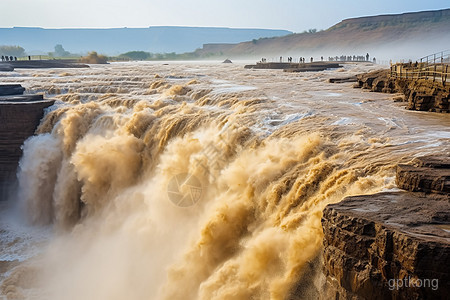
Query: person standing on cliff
367, 57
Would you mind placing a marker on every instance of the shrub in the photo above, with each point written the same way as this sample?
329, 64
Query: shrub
12, 51
94, 58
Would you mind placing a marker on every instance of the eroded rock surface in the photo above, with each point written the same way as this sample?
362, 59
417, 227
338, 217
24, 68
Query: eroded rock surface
421, 94
392, 245
19, 115
382, 246
427, 174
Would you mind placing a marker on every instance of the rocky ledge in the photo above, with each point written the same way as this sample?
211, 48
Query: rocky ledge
20, 115
426, 174
392, 245
421, 94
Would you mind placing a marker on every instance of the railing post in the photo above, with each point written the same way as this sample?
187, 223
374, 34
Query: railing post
434, 73
445, 75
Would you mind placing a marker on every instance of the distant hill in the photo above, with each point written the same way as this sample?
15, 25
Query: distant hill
119, 40
408, 35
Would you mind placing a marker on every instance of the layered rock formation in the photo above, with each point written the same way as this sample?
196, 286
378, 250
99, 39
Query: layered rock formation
11, 89
421, 94
393, 245
427, 174
20, 115
390, 36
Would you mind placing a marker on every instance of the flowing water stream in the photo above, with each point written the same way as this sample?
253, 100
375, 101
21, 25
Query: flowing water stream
194, 180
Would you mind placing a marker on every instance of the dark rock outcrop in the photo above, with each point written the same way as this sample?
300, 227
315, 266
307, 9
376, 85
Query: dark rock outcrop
19, 115
392, 245
427, 174
377, 81
426, 95
11, 89
42, 64
421, 94
382, 246
343, 79
6, 68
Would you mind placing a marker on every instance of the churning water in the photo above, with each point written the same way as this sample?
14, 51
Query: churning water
194, 180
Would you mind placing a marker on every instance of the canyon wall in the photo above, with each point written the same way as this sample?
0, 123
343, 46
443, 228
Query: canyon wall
392, 245
19, 115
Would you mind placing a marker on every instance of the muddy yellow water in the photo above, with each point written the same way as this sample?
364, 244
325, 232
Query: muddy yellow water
194, 180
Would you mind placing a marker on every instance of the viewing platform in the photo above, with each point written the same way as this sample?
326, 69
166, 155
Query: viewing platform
295, 67
434, 67
40, 64
424, 84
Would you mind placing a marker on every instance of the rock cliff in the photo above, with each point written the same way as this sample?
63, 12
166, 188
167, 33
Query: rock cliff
388, 36
20, 115
421, 94
392, 245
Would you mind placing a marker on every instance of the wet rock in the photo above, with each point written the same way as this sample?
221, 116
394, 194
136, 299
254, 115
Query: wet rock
427, 174
343, 79
421, 94
227, 61
387, 246
43, 64
374, 81
19, 115
427, 95
11, 89
6, 67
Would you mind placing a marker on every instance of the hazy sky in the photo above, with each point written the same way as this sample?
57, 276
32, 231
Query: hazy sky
294, 15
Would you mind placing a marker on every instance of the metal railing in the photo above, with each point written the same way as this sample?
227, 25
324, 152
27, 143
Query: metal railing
433, 67
438, 57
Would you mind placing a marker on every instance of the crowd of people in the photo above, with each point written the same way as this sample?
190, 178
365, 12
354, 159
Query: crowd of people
9, 58
330, 58
352, 58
